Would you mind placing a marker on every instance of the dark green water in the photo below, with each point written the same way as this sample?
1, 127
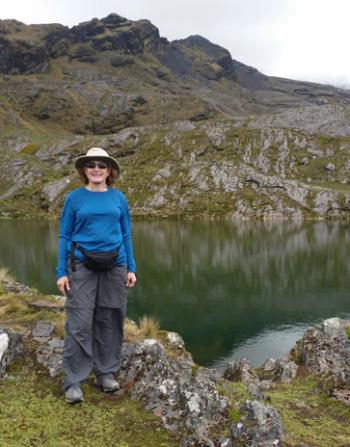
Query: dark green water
230, 289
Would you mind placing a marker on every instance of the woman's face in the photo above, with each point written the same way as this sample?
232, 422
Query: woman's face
96, 171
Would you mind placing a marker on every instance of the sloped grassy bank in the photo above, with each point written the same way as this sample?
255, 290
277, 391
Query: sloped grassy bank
303, 403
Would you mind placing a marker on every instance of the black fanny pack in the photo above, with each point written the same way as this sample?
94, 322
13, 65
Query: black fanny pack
98, 261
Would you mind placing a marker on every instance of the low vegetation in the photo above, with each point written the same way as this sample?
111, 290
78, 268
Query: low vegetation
34, 413
149, 327
309, 416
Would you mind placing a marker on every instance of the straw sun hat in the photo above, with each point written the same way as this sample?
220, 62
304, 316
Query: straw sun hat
96, 153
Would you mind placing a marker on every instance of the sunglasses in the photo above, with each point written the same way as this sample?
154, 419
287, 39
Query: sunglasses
96, 164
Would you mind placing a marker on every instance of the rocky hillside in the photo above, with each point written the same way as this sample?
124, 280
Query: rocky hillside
197, 132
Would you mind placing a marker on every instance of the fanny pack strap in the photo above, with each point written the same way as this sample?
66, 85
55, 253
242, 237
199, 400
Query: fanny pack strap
72, 258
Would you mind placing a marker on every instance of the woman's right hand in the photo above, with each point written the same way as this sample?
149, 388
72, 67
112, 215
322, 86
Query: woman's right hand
63, 284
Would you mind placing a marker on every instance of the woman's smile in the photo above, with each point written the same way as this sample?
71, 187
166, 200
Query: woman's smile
97, 175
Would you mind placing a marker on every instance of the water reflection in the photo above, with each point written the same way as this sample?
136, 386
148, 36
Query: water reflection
269, 343
223, 286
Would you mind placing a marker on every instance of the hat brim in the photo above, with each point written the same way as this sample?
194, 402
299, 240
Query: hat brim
112, 162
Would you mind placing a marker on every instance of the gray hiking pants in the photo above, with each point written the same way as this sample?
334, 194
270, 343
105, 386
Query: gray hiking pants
95, 311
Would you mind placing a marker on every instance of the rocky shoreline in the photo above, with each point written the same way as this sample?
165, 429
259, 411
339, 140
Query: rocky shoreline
191, 401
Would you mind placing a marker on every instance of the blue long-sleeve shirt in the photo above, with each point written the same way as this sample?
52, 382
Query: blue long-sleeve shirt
98, 221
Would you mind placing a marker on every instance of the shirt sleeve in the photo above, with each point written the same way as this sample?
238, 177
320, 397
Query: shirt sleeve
67, 221
126, 232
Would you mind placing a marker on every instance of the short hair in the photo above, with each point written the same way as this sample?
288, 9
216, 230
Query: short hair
113, 174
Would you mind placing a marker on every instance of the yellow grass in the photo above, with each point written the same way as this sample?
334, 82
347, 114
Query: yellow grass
131, 331
149, 327
5, 275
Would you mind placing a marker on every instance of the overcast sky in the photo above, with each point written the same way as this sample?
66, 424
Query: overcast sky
297, 39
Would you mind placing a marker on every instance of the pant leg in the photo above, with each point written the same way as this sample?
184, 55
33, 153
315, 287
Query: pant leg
108, 331
111, 303
78, 353
80, 305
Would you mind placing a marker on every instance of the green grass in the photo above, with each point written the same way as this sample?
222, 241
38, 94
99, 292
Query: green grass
30, 149
309, 416
347, 330
34, 413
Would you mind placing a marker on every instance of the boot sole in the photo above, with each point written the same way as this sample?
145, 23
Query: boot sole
74, 401
107, 390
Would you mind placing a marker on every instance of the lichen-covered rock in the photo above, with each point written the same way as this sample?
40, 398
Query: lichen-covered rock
286, 370
259, 427
11, 348
170, 388
175, 340
325, 350
50, 355
240, 370
17, 287
281, 370
269, 365
43, 330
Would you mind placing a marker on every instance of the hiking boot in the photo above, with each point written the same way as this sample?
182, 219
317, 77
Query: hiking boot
107, 383
74, 394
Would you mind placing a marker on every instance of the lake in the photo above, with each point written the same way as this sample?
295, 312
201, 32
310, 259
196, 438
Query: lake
241, 289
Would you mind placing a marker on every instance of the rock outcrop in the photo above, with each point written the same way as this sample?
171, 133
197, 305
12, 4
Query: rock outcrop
184, 401
325, 351
260, 426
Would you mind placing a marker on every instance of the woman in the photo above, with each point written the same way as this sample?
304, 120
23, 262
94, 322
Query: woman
95, 267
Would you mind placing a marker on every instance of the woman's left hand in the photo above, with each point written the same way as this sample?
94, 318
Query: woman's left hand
130, 279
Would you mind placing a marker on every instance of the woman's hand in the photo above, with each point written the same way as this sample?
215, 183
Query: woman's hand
130, 279
63, 284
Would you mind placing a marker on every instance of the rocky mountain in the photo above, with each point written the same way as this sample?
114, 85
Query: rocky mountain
184, 117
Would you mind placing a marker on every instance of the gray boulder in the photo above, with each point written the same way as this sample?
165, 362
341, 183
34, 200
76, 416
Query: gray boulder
186, 400
260, 427
281, 370
325, 351
50, 355
11, 348
43, 330
240, 370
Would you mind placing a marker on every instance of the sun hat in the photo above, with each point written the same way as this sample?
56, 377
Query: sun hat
96, 153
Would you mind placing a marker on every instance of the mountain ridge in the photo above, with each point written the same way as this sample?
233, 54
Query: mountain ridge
63, 89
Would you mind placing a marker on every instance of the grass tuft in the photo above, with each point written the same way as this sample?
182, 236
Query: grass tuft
5, 275
149, 327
